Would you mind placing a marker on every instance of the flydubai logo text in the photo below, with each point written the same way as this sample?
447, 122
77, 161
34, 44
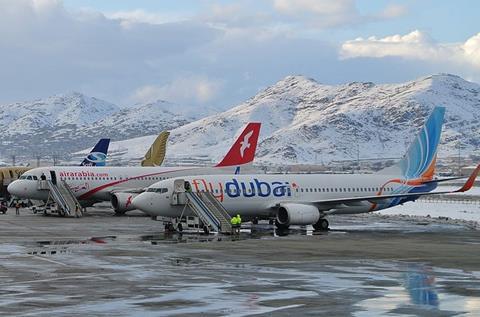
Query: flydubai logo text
235, 188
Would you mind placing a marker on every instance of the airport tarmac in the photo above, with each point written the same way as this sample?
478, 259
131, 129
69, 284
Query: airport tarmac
101, 265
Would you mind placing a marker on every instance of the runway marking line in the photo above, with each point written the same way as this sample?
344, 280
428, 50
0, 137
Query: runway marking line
61, 278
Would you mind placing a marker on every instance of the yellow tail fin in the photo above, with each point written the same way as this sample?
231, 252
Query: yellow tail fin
156, 153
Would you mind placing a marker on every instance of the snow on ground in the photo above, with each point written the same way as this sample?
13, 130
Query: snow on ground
453, 210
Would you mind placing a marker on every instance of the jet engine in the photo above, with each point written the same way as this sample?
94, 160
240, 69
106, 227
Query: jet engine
122, 202
296, 214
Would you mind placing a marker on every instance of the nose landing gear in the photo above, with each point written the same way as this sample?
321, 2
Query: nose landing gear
321, 225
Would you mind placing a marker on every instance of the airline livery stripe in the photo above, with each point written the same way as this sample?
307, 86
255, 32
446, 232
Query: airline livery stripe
99, 188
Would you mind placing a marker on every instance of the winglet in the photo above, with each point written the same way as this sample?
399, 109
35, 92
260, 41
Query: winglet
470, 181
243, 150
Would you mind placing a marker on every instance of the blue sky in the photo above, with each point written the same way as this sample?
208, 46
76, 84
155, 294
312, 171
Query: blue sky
207, 53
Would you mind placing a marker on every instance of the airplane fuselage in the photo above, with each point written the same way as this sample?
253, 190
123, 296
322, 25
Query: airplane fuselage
260, 195
97, 183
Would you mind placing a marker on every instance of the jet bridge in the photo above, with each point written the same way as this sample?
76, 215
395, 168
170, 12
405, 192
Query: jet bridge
204, 205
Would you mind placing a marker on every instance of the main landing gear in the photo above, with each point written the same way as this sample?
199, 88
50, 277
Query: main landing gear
321, 225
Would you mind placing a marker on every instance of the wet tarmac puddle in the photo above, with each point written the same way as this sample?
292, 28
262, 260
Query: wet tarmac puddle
146, 275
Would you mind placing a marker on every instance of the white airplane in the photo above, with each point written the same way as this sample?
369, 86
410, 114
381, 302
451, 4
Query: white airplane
306, 199
121, 184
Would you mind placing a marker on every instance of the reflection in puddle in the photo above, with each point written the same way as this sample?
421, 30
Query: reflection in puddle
420, 293
248, 233
420, 284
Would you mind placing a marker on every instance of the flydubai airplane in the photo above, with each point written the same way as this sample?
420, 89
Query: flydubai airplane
307, 199
121, 184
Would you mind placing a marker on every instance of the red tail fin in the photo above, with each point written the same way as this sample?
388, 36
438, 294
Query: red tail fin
243, 150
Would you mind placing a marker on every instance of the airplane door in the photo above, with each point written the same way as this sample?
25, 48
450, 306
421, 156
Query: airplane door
53, 176
294, 190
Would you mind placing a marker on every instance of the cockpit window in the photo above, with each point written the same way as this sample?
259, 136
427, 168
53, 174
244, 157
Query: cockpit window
34, 177
23, 177
29, 177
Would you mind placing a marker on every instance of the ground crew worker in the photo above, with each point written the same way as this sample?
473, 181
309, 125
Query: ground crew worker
239, 220
77, 210
17, 208
235, 225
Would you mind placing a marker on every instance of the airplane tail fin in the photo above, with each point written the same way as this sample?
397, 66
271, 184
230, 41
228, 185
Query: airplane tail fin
420, 160
156, 153
98, 155
243, 150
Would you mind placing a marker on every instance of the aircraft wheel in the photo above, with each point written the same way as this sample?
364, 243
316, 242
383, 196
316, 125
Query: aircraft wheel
321, 225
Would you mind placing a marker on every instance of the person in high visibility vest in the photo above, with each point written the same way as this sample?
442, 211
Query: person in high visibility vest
239, 220
235, 222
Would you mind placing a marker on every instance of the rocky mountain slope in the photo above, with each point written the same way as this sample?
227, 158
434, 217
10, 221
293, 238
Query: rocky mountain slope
307, 122
65, 123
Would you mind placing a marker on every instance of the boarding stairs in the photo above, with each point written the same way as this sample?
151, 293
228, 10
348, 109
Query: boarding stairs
64, 197
210, 211
204, 205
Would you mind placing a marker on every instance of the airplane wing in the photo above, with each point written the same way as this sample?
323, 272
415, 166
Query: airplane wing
156, 153
128, 190
440, 180
384, 198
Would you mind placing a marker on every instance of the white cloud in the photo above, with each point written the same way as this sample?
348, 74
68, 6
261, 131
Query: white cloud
128, 18
471, 49
415, 45
184, 90
321, 7
328, 14
46, 49
219, 56
393, 11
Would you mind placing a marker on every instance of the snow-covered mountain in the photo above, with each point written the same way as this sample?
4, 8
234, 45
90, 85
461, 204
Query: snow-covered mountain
56, 111
308, 122
65, 123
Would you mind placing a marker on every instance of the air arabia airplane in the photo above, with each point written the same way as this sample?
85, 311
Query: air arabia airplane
121, 184
306, 199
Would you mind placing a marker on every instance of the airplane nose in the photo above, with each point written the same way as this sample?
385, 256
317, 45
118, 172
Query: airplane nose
14, 188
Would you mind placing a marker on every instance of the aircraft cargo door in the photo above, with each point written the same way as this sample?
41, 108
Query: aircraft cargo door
53, 176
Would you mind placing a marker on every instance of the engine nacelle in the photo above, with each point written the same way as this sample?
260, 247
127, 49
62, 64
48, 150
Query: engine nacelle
297, 214
122, 202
